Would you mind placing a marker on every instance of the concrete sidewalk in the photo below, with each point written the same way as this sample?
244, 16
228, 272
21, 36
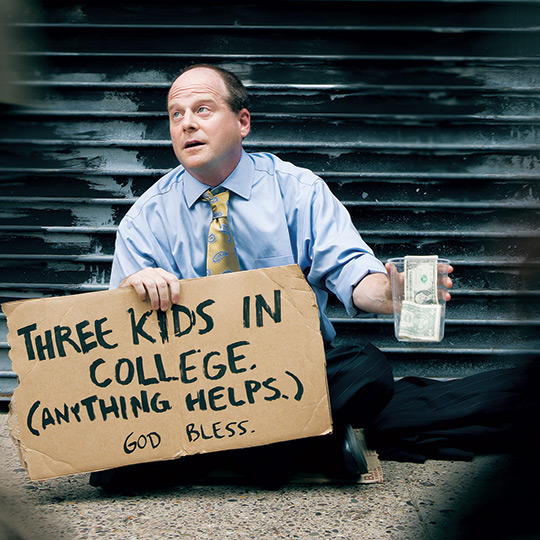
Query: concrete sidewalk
437, 500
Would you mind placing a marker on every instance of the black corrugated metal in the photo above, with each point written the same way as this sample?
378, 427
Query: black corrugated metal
421, 116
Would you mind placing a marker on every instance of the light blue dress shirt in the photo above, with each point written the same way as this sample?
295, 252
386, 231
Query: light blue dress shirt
279, 214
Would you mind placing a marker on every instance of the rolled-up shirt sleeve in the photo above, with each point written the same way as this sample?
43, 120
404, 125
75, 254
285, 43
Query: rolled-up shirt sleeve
132, 253
339, 257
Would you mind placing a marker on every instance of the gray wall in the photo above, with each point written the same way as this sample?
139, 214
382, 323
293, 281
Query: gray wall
421, 116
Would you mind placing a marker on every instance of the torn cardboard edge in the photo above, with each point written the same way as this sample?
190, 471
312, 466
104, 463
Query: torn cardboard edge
104, 381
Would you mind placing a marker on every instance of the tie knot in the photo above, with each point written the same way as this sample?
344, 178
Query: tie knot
218, 202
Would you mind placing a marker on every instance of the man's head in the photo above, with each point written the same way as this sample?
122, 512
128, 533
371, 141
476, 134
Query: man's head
208, 119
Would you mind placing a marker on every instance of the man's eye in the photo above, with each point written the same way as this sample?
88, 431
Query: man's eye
203, 110
177, 115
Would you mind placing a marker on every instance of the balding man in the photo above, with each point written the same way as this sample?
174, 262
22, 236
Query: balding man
278, 214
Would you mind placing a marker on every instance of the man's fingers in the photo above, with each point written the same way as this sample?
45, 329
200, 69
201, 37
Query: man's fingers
448, 284
154, 295
161, 298
169, 289
155, 284
446, 281
137, 283
140, 289
144, 285
174, 288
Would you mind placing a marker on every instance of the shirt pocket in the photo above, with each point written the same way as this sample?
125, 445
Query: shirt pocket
268, 262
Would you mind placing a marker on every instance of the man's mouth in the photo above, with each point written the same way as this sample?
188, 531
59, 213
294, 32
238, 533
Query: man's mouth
192, 144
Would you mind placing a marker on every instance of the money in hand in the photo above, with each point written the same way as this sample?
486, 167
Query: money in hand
420, 310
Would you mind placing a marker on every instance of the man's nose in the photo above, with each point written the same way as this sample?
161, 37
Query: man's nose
189, 121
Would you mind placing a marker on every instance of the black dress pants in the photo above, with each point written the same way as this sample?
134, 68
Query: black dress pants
489, 412
360, 383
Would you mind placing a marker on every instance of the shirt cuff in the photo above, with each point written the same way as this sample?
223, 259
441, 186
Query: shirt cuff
352, 274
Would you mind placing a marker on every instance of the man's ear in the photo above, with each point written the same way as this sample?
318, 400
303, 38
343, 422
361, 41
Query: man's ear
244, 118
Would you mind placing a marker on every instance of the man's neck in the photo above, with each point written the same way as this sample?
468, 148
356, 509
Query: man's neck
214, 178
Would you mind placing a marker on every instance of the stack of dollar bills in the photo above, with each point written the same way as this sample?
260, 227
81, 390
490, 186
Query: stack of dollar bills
421, 311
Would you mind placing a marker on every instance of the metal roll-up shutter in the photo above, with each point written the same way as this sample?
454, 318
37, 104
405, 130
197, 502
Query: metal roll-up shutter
421, 116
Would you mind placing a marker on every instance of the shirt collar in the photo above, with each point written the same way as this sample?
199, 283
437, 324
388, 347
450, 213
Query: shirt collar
239, 181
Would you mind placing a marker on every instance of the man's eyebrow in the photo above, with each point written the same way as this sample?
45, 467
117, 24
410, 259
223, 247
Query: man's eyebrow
172, 104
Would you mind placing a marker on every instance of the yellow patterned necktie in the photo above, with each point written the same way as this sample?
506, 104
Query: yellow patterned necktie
221, 255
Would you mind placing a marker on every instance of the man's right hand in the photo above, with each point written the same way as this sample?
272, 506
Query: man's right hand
160, 287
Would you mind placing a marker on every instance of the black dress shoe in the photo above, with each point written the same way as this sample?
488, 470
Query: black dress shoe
346, 457
354, 460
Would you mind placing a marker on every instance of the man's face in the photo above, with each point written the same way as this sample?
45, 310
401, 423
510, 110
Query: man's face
206, 134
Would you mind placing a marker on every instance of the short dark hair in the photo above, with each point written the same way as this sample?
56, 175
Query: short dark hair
238, 98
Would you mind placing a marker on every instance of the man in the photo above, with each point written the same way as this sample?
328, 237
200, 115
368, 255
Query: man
278, 214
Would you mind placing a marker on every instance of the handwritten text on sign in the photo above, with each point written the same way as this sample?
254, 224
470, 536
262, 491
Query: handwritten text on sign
219, 370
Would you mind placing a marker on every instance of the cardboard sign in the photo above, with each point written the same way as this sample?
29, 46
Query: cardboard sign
104, 381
